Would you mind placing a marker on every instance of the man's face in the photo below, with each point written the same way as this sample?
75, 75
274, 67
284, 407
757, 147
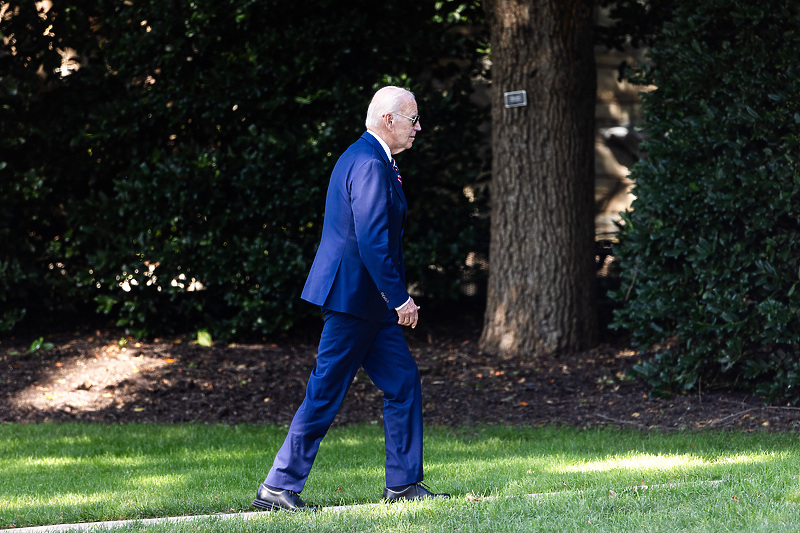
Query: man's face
402, 132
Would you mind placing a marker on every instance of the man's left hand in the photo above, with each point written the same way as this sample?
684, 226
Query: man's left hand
408, 314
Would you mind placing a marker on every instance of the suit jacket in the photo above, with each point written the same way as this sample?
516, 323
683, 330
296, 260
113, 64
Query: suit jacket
359, 266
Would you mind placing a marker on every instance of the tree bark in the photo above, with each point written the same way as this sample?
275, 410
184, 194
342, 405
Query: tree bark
541, 296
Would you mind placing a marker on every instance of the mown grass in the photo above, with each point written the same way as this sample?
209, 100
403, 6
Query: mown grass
581, 480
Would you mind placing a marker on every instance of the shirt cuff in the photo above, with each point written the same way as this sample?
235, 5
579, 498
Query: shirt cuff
402, 306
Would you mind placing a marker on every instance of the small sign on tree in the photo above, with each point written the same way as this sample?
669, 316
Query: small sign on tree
515, 99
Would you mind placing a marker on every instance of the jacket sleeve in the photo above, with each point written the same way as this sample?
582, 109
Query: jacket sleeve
371, 199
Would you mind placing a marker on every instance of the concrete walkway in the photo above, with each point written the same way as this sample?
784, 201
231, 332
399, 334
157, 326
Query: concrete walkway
94, 526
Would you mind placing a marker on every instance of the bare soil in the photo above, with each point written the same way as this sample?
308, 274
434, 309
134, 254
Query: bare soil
103, 376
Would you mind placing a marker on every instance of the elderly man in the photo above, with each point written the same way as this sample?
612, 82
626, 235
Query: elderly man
358, 279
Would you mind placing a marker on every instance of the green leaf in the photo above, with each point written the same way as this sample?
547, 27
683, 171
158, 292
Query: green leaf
204, 338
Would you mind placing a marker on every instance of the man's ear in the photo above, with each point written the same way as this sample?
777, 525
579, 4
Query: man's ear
387, 121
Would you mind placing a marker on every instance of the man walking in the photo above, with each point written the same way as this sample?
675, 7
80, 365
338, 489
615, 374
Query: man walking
358, 279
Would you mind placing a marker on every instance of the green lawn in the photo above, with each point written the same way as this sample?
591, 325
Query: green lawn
502, 479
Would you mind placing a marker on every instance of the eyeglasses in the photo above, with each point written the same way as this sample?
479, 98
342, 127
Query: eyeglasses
414, 119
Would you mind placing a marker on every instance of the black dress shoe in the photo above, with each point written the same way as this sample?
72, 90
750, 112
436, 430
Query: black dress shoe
417, 491
270, 499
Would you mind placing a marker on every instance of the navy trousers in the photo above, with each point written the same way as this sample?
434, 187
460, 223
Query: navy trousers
348, 343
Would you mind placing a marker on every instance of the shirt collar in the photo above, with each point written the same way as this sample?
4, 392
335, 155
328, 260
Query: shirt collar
385, 146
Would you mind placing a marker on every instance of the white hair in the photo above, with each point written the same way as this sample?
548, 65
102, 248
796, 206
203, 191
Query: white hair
387, 100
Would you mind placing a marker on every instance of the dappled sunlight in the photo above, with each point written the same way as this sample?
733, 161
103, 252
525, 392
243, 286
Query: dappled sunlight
74, 384
650, 462
225, 455
67, 463
356, 441
160, 480
635, 463
762, 457
78, 498
66, 460
51, 462
11, 503
126, 281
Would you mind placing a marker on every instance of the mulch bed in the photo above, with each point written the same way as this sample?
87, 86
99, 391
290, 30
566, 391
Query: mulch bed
103, 376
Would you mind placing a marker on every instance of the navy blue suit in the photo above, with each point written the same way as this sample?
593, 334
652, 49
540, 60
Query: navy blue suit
359, 264
358, 279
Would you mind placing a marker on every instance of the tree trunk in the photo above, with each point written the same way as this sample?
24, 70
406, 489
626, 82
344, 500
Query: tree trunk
541, 297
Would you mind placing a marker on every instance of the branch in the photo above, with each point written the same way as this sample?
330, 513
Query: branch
600, 415
734, 415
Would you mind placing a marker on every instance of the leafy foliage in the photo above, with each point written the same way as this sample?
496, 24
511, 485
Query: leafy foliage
709, 254
182, 185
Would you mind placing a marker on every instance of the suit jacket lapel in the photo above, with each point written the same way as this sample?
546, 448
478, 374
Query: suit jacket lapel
389, 170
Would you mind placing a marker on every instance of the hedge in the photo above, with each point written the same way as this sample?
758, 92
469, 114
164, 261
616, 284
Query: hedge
710, 254
175, 181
